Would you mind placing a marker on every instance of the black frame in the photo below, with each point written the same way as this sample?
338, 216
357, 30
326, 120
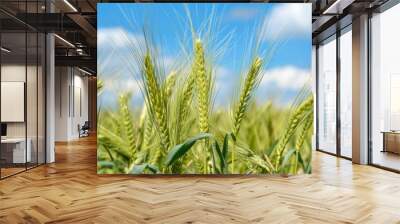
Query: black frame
30, 29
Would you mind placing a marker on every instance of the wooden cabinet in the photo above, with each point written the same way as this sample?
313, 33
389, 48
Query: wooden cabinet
391, 142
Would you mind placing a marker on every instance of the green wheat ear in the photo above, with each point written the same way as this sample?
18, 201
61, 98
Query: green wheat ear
147, 133
302, 137
184, 101
170, 83
303, 133
203, 94
127, 123
146, 126
251, 81
156, 102
100, 84
202, 84
186, 97
294, 121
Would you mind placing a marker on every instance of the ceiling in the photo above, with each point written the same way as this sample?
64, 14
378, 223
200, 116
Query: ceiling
75, 23
332, 15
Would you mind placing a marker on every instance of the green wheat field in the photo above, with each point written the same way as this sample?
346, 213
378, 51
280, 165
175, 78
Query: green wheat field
178, 129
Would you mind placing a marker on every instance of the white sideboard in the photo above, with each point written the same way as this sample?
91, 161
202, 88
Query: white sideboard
18, 144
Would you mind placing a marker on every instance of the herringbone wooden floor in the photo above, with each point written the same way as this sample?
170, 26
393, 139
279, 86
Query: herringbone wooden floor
70, 191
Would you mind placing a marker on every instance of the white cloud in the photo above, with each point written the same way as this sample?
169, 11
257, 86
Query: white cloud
118, 84
168, 63
132, 85
225, 80
288, 20
243, 13
118, 37
222, 72
287, 78
113, 87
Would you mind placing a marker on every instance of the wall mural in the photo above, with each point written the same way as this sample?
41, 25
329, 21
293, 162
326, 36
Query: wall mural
204, 88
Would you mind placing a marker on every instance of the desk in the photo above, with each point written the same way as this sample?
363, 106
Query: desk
15, 148
391, 141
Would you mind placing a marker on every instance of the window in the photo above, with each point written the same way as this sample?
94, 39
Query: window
22, 77
327, 95
385, 89
346, 92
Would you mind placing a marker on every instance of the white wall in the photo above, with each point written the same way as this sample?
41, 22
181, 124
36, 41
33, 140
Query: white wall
79, 111
61, 103
71, 94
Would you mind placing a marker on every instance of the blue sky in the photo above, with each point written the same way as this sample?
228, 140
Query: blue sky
120, 25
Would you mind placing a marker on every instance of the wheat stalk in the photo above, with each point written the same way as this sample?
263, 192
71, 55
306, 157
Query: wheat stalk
294, 120
143, 116
182, 107
147, 128
202, 84
127, 124
100, 84
156, 102
250, 83
170, 83
186, 96
303, 134
147, 133
203, 94
155, 157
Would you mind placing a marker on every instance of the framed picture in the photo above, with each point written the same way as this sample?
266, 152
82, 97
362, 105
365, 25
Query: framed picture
204, 88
